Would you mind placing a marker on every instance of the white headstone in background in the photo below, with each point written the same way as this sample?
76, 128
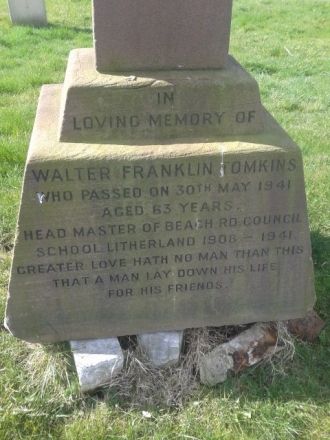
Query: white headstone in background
30, 12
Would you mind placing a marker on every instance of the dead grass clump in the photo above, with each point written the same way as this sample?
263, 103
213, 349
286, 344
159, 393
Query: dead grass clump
283, 352
141, 384
48, 368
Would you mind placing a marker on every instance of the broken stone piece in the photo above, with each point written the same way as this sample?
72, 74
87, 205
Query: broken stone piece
97, 361
307, 328
163, 348
245, 350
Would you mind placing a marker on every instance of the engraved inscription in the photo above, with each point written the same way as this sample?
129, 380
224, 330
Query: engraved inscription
190, 232
152, 121
168, 116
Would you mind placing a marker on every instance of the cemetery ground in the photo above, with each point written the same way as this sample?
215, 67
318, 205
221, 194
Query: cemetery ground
285, 45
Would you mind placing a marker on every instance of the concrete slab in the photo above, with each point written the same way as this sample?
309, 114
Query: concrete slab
163, 348
97, 361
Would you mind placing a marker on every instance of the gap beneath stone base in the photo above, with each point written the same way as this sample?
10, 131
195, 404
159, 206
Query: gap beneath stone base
99, 361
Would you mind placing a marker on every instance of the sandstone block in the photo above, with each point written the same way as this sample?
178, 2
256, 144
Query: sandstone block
97, 361
157, 34
158, 107
120, 239
163, 348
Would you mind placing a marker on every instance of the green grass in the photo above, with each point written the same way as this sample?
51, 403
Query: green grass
286, 46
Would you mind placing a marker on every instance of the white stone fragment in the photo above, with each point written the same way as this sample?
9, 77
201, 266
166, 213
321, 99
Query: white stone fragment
162, 348
245, 350
30, 12
97, 361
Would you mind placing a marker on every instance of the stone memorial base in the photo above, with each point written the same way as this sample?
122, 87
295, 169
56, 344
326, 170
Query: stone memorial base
122, 239
156, 107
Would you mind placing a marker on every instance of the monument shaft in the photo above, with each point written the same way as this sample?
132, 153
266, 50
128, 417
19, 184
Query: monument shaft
149, 35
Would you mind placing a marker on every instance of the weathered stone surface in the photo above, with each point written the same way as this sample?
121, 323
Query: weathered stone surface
245, 350
122, 239
163, 348
97, 361
307, 328
156, 107
30, 12
157, 34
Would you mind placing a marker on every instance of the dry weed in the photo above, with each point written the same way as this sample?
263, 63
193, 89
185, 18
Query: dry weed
141, 384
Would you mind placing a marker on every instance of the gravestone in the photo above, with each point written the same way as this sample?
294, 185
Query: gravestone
28, 12
157, 200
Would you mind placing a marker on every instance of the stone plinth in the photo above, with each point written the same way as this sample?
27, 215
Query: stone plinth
29, 12
158, 34
122, 239
158, 106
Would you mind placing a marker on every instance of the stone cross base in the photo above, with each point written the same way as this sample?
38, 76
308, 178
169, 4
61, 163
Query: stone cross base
251, 206
124, 108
